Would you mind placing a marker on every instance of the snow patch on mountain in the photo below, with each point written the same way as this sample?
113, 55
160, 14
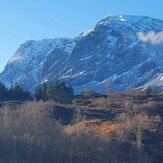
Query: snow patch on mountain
87, 32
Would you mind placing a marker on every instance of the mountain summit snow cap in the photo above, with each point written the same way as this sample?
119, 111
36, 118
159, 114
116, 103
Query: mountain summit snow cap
120, 18
116, 19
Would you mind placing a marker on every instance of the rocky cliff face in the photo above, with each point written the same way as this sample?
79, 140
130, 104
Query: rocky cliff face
121, 51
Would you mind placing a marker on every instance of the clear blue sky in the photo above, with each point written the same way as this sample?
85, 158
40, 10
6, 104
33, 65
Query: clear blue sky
21, 20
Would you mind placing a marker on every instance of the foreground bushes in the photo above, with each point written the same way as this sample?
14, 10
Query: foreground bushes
30, 134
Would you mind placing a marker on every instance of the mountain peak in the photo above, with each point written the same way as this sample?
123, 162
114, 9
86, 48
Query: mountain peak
109, 54
112, 19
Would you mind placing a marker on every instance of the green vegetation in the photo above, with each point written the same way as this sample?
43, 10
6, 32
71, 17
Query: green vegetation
15, 92
53, 91
56, 90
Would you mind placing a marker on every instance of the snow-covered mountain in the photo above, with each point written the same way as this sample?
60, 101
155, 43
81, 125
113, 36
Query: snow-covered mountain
120, 52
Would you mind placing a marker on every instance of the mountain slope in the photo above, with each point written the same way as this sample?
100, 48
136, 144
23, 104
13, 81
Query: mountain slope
120, 52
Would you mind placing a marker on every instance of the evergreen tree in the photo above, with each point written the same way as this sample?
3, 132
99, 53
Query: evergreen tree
61, 90
148, 91
26, 96
15, 92
70, 91
57, 89
50, 93
43, 91
3, 91
38, 93
53, 91
10, 92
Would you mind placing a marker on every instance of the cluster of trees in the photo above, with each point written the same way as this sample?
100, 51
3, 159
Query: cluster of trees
53, 91
44, 92
15, 92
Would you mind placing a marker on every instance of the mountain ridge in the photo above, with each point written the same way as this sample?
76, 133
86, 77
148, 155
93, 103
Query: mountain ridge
121, 51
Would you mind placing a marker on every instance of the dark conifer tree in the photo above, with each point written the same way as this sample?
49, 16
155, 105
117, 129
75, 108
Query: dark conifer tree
149, 91
55, 90
38, 93
50, 91
3, 91
43, 91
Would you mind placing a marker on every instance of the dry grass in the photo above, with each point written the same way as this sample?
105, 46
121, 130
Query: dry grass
29, 132
103, 129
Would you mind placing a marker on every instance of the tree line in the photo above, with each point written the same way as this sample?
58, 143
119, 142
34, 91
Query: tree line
53, 91
14, 92
45, 91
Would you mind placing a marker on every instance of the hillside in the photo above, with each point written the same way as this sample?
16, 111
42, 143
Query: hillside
115, 128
